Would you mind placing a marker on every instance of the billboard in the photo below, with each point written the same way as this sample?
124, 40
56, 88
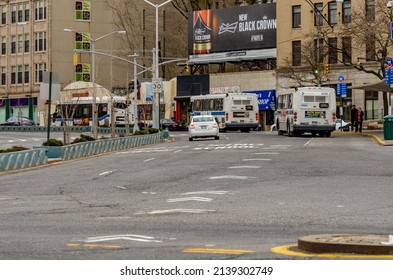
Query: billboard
232, 29
192, 85
266, 99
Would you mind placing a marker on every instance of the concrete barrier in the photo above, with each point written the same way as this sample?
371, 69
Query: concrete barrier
22, 159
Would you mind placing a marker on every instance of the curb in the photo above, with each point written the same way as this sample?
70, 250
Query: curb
377, 139
365, 244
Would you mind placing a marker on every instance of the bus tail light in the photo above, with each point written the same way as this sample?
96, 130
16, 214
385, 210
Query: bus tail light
334, 117
295, 116
257, 116
226, 117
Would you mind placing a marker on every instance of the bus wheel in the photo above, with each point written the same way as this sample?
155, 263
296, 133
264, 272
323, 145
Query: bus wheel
278, 128
328, 134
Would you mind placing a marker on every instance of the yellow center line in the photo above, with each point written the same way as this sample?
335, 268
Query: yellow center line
216, 251
289, 251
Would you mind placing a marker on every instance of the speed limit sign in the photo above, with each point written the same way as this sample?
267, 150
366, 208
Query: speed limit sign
157, 85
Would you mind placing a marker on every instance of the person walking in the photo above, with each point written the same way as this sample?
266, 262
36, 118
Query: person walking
359, 120
353, 115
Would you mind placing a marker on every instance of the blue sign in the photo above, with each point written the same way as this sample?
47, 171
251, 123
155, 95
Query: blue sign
341, 89
389, 61
338, 89
388, 76
266, 99
340, 78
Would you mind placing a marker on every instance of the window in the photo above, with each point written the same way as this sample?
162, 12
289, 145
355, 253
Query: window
318, 47
20, 12
346, 11
3, 76
40, 41
296, 53
332, 13
163, 21
370, 49
20, 43
13, 44
347, 49
20, 74
13, 13
318, 19
39, 72
27, 74
13, 75
3, 45
27, 43
3, 14
27, 11
332, 50
143, 46
296, 16
143, 19
40, 9
370, 9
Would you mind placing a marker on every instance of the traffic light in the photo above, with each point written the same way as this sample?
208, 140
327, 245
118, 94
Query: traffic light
316, 72
75, 58
187, 69
326, 69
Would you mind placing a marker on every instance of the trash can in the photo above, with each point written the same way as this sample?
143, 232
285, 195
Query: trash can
388, 127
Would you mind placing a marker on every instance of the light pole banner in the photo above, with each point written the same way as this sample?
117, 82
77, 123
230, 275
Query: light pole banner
82, 10
232, 29
82, 72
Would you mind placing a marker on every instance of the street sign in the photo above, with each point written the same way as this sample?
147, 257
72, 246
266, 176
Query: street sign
157, 85
388, 76
338, 89
340, 78
391, 30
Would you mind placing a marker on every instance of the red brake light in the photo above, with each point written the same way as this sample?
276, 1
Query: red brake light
226, 116
295, 116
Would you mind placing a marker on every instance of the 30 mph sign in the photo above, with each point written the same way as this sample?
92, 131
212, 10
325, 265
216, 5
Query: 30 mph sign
157, 85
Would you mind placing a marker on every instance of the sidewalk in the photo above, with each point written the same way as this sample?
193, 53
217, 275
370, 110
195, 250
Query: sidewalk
377, 135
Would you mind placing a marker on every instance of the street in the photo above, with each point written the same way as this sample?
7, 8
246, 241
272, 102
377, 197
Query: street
233, 198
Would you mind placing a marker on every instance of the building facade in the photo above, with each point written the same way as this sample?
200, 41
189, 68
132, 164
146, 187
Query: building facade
34, 42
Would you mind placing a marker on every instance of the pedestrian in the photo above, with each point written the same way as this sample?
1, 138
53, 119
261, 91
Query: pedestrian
359, 120
353, 114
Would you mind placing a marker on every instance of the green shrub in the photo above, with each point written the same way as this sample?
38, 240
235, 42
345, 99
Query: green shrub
83, 138
141, 132
14, 149
153, 130
53, 142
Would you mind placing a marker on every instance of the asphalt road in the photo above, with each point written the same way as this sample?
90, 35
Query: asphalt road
235, 198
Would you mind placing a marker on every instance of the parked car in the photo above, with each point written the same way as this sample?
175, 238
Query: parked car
18, 121
202, 127
342, 123
171, 124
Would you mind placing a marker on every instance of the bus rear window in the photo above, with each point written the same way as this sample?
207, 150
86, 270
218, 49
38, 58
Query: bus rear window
318, 99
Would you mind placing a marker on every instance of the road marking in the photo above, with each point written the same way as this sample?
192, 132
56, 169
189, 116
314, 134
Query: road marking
206, 192
107, 173
203, 199
178, 151
266, 153
256, 159
230, 177
120, 187
148, 159
94, 246
289, 251
149, 192
128, 237
171, 211
244, 166
217, 251
308, 142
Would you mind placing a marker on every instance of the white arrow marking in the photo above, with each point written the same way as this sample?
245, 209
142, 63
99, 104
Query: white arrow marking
169, 211
243, 166
204, 199
148, 159
254, 159
107, 172
206, 192
130, 237
230, 177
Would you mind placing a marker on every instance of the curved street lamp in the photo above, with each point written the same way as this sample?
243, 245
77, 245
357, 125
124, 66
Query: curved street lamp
93, 78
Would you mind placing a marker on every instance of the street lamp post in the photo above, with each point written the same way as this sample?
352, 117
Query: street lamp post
156, 101
93, 78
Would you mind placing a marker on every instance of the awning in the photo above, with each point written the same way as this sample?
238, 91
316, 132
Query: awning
376, 86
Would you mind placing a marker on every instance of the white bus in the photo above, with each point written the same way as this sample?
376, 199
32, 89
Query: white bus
79, 111
233, 111
306, 109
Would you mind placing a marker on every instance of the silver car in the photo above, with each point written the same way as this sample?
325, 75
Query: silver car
202, 127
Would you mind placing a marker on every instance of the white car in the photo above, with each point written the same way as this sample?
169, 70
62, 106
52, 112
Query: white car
344, 125
203, 127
